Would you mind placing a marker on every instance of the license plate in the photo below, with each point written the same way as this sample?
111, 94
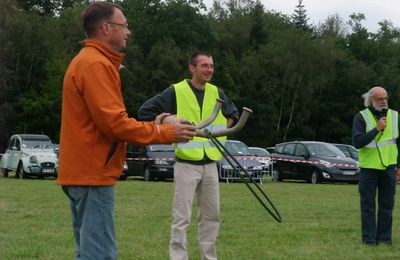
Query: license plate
48, 170
348, 173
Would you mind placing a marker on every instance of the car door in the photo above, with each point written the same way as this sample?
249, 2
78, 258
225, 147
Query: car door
6, 157
287, 165
301, 168
15, 153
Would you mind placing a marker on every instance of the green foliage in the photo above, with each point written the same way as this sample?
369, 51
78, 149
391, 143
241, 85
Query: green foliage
302, 81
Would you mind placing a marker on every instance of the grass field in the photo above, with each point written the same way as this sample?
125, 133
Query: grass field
319, 222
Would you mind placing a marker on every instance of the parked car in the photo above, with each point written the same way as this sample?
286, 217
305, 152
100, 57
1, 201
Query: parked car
154, 161
270, 149
29, 155
314, 162
263, 157
245, 158
348, 150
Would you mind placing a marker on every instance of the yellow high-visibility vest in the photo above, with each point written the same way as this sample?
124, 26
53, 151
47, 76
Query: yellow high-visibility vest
382, 151
188, 108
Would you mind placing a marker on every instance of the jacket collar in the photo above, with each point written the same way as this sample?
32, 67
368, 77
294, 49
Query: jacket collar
114, 57
377, 114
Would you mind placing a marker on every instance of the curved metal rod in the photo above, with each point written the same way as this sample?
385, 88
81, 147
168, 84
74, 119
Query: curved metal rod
214, 115
218, 104
228, 131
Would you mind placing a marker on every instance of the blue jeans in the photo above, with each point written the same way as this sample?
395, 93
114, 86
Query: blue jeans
385, 182
92, 210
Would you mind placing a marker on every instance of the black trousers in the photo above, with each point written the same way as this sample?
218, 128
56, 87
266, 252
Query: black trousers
371, 181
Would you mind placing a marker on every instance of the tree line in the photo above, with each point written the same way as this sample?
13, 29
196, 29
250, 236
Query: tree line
303, 81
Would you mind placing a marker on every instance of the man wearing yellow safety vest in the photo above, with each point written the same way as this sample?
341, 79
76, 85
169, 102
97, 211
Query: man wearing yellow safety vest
376, 136
195, 170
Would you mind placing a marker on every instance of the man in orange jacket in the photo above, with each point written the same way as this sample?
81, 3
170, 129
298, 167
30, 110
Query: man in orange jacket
95, 128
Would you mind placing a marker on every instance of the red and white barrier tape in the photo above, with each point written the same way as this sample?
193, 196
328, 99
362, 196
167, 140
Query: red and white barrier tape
313, 162
251, 158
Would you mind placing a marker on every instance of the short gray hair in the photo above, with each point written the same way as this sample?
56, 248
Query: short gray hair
367, 98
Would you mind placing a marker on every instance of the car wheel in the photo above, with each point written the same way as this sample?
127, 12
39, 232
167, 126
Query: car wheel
315, 177
20, 172
147, 175
276, 175
4, 172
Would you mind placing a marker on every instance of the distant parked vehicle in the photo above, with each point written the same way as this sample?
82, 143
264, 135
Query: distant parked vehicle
348, 150
154, 161
264, 157
244, 157
29, 155
270, 149
314, 162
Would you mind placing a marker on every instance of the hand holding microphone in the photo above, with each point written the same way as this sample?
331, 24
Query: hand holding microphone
381, 125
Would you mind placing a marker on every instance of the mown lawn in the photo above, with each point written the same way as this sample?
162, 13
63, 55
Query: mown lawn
319, 222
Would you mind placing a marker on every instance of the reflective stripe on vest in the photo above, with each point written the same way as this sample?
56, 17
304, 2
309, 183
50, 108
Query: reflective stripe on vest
188, 108
382, 151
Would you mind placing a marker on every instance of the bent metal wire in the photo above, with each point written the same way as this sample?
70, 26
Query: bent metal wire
233, 162
203, 132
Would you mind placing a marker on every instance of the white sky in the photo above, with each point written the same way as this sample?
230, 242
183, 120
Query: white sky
318, 10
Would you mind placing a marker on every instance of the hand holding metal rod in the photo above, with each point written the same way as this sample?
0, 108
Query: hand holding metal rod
202, 132
228, 131
171, 119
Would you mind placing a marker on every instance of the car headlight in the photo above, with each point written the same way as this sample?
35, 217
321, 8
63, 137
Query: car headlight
161, 162
226, 167
33, 159
257, 167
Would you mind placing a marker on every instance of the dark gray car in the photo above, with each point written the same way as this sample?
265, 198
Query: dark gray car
314, 162
154, 161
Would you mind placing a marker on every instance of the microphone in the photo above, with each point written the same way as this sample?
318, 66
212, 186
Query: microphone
383, 113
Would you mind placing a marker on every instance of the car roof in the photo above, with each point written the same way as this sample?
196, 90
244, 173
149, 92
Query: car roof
233, 141
342, 145
33, 136
254, 147
303, 142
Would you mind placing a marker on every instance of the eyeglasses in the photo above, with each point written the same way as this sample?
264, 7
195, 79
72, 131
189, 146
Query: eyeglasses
125, 26
380, 99
205, 66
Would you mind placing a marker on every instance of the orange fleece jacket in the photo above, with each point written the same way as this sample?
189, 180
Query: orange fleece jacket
95, 125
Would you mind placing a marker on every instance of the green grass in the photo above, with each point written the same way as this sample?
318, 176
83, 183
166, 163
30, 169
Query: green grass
319, 222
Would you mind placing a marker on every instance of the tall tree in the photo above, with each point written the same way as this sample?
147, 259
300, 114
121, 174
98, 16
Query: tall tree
299, 18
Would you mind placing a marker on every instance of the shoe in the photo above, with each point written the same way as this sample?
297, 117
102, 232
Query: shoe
385, 242
369, 243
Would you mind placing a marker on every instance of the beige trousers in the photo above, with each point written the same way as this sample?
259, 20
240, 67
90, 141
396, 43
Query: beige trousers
190, 180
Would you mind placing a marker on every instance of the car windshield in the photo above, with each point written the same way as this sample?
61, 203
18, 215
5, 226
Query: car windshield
37, 144
161, 148
237, 148
260, 152
324, 150
354, 153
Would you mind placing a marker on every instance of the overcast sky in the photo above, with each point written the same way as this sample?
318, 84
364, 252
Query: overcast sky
318, 10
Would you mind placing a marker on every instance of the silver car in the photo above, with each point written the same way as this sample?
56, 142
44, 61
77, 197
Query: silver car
29, 155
